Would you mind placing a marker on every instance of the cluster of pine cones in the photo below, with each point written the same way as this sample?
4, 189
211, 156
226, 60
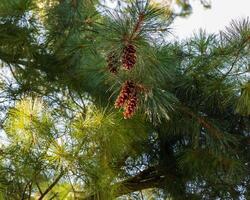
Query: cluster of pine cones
127, 99
128, 59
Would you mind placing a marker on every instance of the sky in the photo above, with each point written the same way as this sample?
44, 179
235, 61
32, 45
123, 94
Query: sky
220, 15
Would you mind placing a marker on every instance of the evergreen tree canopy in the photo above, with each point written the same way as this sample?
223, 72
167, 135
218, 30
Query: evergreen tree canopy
98, 103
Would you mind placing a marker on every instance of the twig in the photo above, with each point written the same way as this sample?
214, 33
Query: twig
51, 186
137, 27
39, 188
202, 121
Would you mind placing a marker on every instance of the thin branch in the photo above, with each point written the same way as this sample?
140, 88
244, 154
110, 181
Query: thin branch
72, 186
30, 190
149, 178
236, 58
74, 3
14, 75
232, 66
54, 196
39, 188
51, 186
203, 122
24, 191
137, 27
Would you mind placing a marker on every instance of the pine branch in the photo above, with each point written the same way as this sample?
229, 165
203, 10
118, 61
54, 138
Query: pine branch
203, 122
30, 190
137, 27
51, 186
10, 59
74, 3
39, 188
24, 191
149, 178
237, 55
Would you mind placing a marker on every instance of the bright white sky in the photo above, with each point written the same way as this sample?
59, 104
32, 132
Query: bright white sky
214, 19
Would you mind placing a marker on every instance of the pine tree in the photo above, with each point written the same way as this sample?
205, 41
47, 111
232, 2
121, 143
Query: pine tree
97, 103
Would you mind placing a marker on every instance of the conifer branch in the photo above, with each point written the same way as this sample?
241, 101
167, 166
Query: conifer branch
237, 55
51, 186
74, 3
148, 178
30, 190
39, 188
203, 122
24, 191
137, 27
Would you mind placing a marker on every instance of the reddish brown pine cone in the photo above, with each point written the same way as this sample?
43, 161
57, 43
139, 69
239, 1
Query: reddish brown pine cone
127, 88
129, 57
113, 62
131, 106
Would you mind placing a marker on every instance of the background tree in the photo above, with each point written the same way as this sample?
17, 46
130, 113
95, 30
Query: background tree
97, 104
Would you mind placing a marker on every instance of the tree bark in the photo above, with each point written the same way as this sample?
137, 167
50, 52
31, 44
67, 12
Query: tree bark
149, 178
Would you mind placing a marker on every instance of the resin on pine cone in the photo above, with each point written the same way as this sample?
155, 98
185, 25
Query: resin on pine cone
127, 89
129, 57
131, 106
113, 62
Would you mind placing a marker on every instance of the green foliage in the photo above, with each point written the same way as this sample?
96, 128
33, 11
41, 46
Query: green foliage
61, 136
15, 8
243, 105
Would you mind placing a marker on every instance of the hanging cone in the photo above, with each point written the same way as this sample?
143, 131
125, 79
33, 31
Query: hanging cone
129, 57
127, 88
131, 106
113, 62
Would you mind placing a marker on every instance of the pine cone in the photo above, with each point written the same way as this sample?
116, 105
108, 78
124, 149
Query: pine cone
131, 106
129, 57
113, 62
128, 99
127, 88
